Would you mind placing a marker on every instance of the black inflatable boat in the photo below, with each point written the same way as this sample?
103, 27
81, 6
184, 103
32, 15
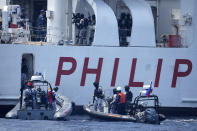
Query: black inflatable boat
137, 113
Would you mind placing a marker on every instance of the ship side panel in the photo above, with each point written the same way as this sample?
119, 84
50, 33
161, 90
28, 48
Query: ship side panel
86, 64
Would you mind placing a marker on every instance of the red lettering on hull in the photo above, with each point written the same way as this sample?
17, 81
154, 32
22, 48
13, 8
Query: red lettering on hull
61, 72
116, 63
132, 74
181, 74
91, 71
157, 78
97, 71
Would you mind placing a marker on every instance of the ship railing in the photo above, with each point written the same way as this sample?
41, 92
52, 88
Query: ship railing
9, 38
38, 35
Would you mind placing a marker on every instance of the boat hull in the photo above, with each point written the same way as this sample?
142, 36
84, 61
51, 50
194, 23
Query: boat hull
64, 109
108, 116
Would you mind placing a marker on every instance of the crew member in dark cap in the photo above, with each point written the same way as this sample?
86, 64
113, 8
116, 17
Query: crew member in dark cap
114, 102
22, 18
41, 26
55, 89
98, 97
129, 94
129, 97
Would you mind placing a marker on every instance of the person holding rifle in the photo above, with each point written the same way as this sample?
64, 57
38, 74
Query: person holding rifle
98, 97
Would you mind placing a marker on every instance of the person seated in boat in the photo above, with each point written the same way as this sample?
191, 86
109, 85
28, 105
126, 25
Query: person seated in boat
120, 99
113, 104
98, 97
55, 89
40, 98
128, 98
29, 95
33, 93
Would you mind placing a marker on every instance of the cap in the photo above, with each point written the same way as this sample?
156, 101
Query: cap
42, 10
96, 84
119, 88
114, 90
126, 87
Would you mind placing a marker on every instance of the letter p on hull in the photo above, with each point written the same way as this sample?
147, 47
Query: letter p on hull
61, 72
181, 74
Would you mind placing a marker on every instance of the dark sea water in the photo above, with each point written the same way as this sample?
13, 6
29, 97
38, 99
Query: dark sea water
79, 123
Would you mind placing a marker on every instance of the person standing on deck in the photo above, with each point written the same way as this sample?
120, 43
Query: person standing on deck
128, 99
41, 26
114, 102
98, 97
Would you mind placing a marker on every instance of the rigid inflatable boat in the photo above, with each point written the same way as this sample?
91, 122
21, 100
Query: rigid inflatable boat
145, 109
39, 101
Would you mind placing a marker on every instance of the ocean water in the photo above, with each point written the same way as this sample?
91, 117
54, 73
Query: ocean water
79, 123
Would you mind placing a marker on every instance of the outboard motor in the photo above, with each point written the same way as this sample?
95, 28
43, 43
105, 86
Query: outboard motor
151, 116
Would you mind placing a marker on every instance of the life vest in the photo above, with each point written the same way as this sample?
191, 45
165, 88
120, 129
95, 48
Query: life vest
122, 97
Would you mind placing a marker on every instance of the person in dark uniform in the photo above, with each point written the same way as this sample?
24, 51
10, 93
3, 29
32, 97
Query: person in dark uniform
28, 93
41, 26
128, 98
129, 94
98, 97
55, 89
22, 18
114, 103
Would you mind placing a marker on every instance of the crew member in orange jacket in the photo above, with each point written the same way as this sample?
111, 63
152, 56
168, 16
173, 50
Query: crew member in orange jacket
121, 101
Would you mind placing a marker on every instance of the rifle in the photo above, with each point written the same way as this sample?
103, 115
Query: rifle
93, 99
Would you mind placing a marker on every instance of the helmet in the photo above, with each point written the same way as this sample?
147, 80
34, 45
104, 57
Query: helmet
29, 83
114, 90
126, 88
119, 88
55, 89
96, 84
39, 89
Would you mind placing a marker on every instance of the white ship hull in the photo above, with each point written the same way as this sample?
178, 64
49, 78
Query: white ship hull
172, 70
